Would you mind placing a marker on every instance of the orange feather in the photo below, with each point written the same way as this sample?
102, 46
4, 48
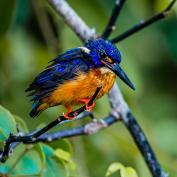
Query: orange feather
83, 86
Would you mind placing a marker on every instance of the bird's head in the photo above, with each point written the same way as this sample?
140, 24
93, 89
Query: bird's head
104, 54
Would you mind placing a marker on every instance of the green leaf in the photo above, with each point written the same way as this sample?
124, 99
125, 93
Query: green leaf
64, 152
25, 160
40, 151
128, 172
30, 160
21, 123
53, 164
7, 123
124, 171
66, 156
62, 144
30, 164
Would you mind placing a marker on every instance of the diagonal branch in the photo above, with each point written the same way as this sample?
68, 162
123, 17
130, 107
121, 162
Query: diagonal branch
88, 129
31, 137
120, 108
115, 13
143, 24
73, 20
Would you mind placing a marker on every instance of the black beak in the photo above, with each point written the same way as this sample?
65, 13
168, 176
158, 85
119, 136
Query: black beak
119, 72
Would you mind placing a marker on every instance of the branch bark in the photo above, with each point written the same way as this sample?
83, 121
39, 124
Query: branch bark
73, 20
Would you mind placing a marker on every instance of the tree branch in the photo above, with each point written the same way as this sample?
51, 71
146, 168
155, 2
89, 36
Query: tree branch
120, 108
87, 129
143, 24
31, 137
73, 20
115, 13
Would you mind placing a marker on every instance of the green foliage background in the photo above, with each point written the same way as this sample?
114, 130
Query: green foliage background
31, 34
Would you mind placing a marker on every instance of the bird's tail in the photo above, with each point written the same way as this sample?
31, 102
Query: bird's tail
37, 108
34, 113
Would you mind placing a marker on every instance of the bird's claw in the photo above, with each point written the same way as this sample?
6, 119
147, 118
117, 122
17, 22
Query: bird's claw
69, 116
89, 107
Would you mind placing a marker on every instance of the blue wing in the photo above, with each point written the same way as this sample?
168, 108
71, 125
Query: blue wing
69, 55
64, 67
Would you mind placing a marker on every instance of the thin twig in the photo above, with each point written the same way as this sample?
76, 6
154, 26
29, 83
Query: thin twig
115, 14
143, 24
87, 129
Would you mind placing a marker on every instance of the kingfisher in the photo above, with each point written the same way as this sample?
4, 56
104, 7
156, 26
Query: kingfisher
72, 77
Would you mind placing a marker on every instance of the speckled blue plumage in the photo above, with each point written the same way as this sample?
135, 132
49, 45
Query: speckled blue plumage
102, 47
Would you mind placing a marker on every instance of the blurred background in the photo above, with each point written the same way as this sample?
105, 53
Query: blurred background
32, 33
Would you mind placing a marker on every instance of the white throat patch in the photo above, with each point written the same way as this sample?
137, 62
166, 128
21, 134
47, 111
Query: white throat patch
105, 70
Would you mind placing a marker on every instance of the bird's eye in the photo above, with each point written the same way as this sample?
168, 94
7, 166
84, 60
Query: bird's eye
109, 60
102, 55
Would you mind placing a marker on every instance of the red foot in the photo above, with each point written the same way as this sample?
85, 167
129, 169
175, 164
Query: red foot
86, 101
67, 115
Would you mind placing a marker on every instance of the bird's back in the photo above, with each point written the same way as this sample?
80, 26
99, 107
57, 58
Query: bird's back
63, 69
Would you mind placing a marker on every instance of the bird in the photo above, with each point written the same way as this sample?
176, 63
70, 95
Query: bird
72, 77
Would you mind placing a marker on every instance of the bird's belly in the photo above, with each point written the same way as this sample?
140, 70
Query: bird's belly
83, 86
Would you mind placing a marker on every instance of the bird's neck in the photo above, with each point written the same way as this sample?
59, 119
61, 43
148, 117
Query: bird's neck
105, 70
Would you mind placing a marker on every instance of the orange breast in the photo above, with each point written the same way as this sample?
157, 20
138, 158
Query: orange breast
83, 86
